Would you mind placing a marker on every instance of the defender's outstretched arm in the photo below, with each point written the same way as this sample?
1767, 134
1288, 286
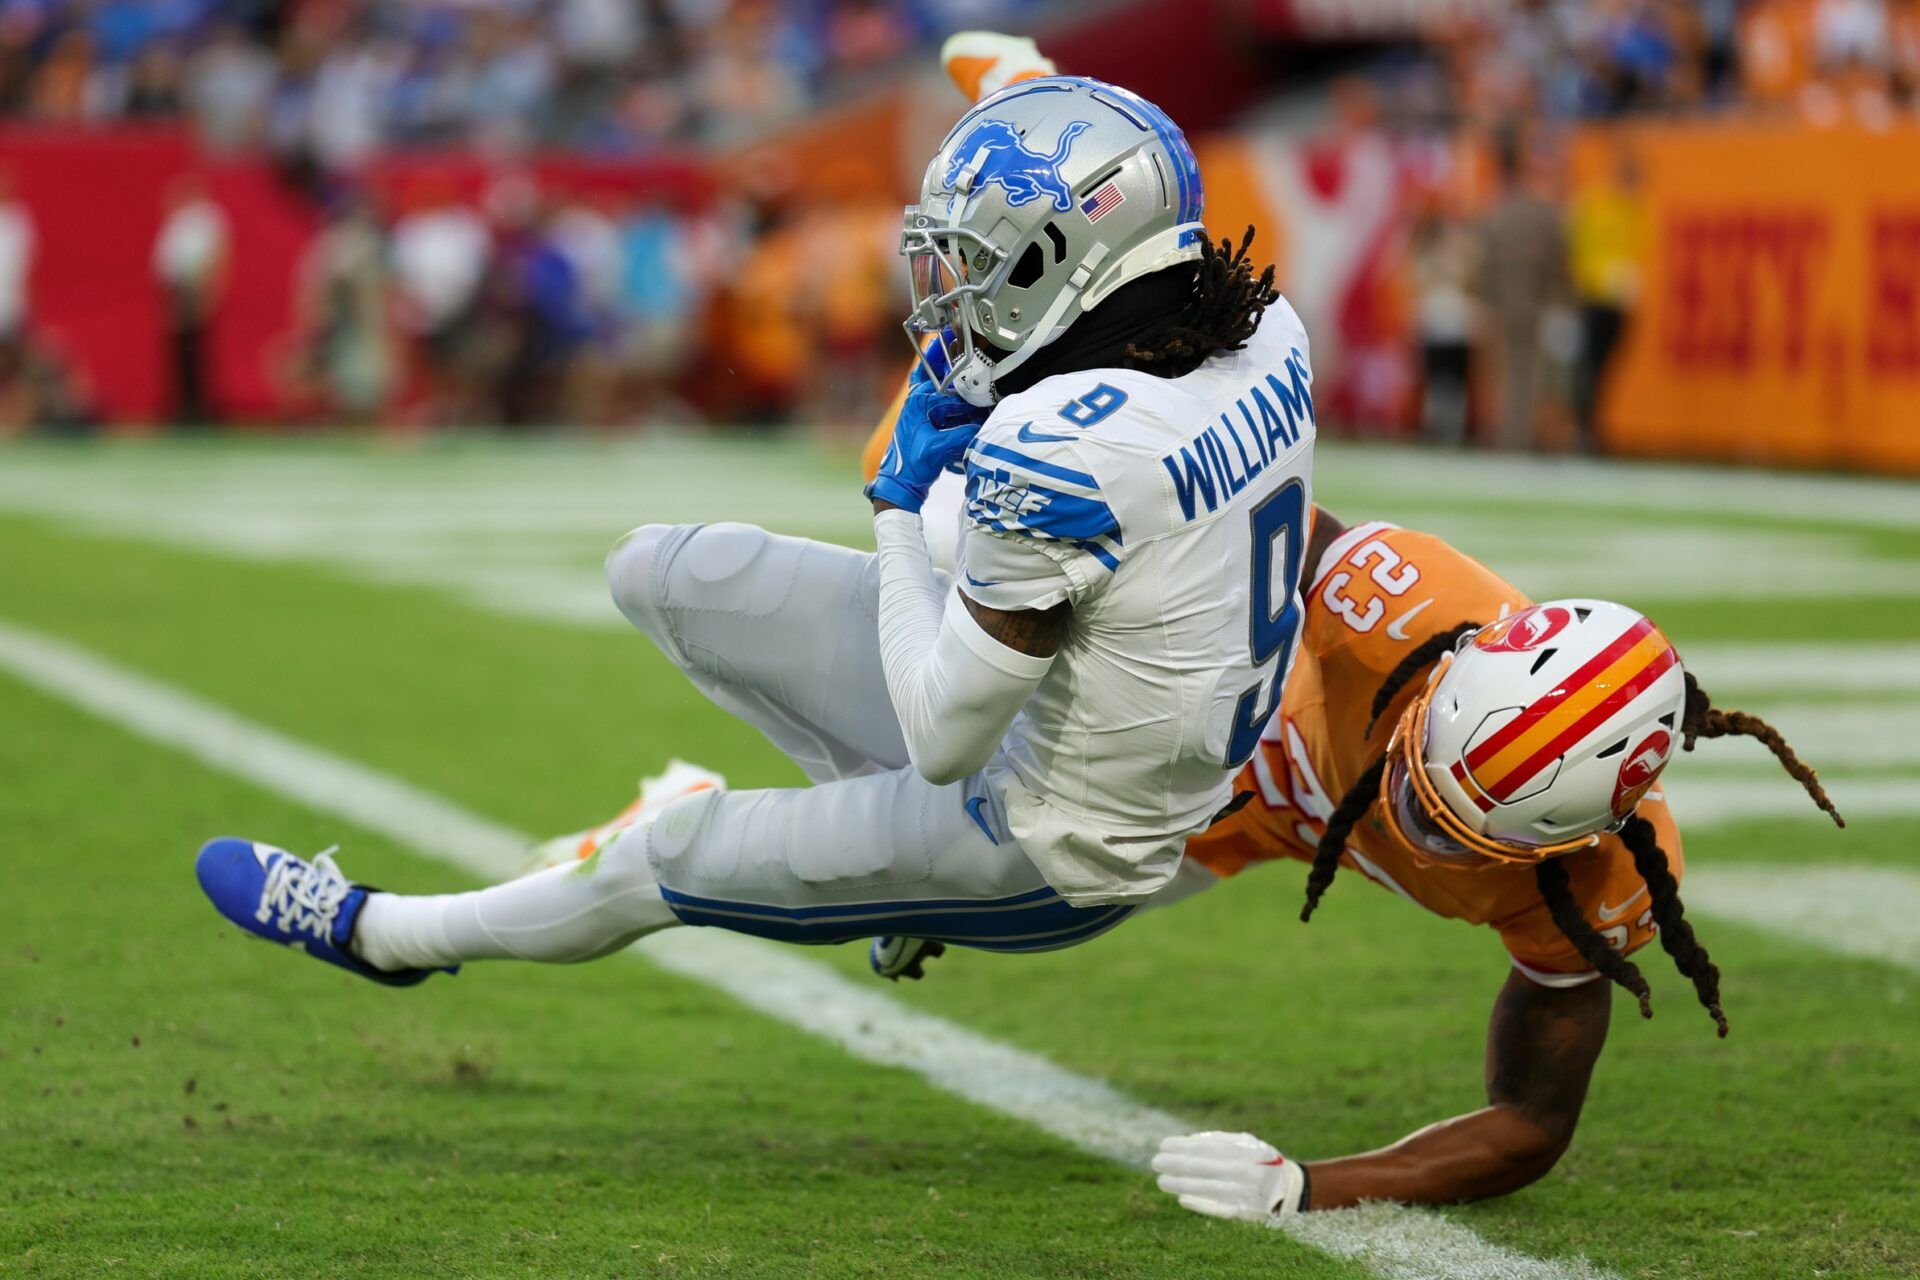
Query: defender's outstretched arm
1541, 1047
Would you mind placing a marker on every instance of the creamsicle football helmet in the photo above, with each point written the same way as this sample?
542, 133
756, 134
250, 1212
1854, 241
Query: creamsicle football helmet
1538, 734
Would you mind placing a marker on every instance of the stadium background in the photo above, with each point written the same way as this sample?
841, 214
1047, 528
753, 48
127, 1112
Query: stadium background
358, 330
602, 213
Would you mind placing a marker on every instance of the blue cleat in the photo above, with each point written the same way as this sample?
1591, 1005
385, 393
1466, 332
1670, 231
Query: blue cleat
309, 906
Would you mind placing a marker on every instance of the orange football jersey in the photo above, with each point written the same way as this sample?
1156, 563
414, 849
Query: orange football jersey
1379, 591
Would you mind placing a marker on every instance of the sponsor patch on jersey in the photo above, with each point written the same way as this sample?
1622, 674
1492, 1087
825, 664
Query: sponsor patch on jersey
1640, 770
1524, 631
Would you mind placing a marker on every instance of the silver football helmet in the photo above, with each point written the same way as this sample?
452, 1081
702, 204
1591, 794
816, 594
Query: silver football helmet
1042, 200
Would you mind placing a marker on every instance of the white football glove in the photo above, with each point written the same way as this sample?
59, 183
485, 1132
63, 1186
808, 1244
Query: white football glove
1230, 1175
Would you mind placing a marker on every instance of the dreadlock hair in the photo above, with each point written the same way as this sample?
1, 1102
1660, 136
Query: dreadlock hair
1704, 720
1556, 887
1360, 796
1425, 653
1221, 312
1700, 719
1676, 935
1326, 855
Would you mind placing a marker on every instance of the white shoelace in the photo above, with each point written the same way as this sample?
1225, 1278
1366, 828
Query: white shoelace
305, 896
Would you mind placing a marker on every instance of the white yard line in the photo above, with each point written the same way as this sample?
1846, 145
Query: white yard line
1379, 471
1350, 473
1399, 1243
1883, 732
1869, 912
1702, 799
463, 509
1879, 668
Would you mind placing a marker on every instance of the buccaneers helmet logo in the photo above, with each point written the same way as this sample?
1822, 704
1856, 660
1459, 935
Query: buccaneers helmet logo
1640, 770
1524, 631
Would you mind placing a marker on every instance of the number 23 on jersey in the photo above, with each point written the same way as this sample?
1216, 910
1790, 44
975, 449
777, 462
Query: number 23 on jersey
1361, 603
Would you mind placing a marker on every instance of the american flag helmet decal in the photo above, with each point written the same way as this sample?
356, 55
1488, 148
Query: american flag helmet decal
1104, 200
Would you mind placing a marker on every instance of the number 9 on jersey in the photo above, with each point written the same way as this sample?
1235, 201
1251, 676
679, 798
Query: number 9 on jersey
1278, 527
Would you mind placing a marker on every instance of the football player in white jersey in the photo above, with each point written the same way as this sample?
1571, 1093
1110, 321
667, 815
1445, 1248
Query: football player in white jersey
1013, 760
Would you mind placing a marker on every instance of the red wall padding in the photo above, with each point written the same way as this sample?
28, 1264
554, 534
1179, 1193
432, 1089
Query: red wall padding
96, 203
96, 200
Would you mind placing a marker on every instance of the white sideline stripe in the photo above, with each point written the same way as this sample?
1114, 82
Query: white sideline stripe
1702, 800
1375, 469
1884, 732
1869, 912
1397, 1242
1838, 667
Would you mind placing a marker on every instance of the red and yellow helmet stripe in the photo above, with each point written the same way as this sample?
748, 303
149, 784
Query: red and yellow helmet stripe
1575, 707
1409, 738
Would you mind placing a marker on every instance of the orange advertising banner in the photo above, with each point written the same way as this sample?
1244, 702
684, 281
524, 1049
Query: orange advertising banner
1778, 319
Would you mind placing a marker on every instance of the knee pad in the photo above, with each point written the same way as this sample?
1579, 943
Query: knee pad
736, 569
669, 844
637, 577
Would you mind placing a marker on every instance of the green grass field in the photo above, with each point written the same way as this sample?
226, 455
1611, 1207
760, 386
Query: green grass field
177, 1101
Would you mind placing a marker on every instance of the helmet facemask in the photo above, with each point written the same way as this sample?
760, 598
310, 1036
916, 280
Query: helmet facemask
962, 281
949, 269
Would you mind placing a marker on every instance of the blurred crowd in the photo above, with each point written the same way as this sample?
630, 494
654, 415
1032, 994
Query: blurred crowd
1587, 59
331, 81
1521, 286
1519, 306
521, 307
1512, 290
532, 309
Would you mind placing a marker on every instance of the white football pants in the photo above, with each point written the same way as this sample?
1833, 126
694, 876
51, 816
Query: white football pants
782, 633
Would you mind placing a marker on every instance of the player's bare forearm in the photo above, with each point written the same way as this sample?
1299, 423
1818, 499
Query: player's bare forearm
1035, 631
1541, 1047
1489, 1152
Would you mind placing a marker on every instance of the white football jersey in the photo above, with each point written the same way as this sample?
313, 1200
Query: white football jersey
1172, 513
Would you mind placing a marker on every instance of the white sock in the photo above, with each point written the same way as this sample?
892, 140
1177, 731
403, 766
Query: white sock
557, 916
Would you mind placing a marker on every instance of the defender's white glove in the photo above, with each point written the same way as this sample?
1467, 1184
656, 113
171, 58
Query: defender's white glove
1230, 1175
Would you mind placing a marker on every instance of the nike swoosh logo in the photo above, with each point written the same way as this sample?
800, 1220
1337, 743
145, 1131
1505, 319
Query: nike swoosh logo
1029, 436
1609, 914
975, 582
973, 810
1398, 627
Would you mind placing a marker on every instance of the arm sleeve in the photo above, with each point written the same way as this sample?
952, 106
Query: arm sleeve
955, 688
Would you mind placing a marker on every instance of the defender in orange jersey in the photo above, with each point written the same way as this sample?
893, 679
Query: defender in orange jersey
1497, 762
1379, 594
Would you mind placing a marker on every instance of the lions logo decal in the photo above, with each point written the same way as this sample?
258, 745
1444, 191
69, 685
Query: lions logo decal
1024, 174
